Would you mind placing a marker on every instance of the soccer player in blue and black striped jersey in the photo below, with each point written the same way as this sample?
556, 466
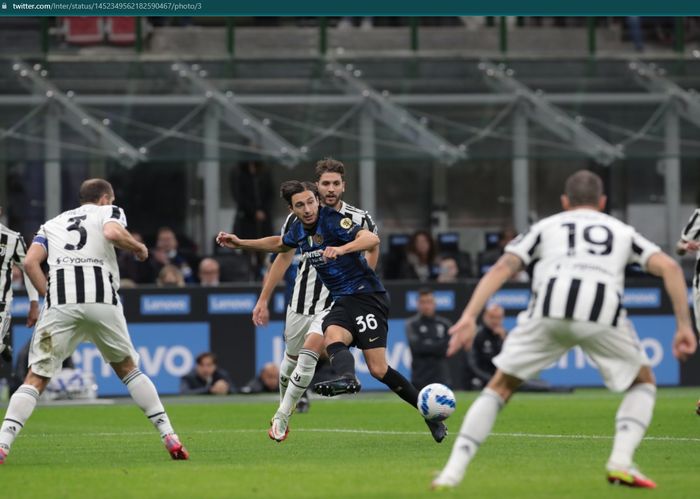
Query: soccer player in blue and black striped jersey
334, 245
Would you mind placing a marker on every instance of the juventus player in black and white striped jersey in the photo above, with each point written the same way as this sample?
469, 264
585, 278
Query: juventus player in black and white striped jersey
690, 242
82, 305
12, 252
579, 259
310, 301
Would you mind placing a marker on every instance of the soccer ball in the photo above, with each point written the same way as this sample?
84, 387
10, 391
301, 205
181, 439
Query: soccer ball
436, 402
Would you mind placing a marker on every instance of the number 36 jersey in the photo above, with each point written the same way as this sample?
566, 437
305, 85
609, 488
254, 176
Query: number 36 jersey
579, 258
82, 261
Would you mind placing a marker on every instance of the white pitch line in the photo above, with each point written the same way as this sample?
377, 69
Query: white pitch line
363, 432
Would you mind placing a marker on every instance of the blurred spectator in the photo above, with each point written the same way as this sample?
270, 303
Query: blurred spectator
420, 260
254, 193
448, 270
487, 344
134, 270
662, 30
206, 378
266, 382
428, 338
209, 273
491, 254
17, 278
634, 24
166, 252
169, 277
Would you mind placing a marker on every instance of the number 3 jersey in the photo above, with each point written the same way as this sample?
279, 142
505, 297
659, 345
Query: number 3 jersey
82, 261
579, 258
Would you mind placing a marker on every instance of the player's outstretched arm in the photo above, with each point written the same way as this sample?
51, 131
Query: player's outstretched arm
271, 244
465, 328
261, 314
36, 255
662, 265
117, 234
364, 241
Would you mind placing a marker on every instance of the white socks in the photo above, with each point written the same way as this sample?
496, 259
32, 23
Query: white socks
299, 381
21, 406
286, 369
631, 423
146, 397
477, 425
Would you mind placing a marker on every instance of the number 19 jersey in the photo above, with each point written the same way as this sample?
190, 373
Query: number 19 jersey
82, 261
579, 258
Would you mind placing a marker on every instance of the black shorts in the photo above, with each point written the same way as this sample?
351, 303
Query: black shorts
365, 316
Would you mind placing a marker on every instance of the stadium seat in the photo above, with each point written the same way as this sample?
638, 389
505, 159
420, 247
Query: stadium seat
121, 30
83, 30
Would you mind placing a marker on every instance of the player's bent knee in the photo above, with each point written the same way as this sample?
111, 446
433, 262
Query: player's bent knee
377, 368
379, 372
504, 384
315, 343
645, 375
37, 381
335, 334
124, 367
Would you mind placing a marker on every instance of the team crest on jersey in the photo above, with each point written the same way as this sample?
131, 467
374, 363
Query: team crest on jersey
315, 240
346, 223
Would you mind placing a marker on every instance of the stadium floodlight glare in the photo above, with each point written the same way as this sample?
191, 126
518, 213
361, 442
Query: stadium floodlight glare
654, 79
550, 117
77, 118
394, 116
239, 119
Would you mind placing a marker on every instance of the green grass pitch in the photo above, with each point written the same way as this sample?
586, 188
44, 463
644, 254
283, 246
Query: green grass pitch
373, 445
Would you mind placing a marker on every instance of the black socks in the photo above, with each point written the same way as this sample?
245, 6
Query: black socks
341, 359
401, 386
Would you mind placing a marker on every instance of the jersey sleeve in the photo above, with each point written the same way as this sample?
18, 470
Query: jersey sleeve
642, 249
691, 232
18, 257
113, 214
287, 224
368, 223
289, 240
527, 245
40, 238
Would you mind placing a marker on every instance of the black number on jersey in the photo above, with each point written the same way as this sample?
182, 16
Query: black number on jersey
600, 245
80, 229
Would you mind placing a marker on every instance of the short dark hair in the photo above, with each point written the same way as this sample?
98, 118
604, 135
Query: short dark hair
292, 187
583, 188
329, 165
93, 189
165, 228
425, 291
200, 358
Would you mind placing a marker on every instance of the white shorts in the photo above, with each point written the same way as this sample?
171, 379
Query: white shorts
538, 343
298, 326
62, 328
